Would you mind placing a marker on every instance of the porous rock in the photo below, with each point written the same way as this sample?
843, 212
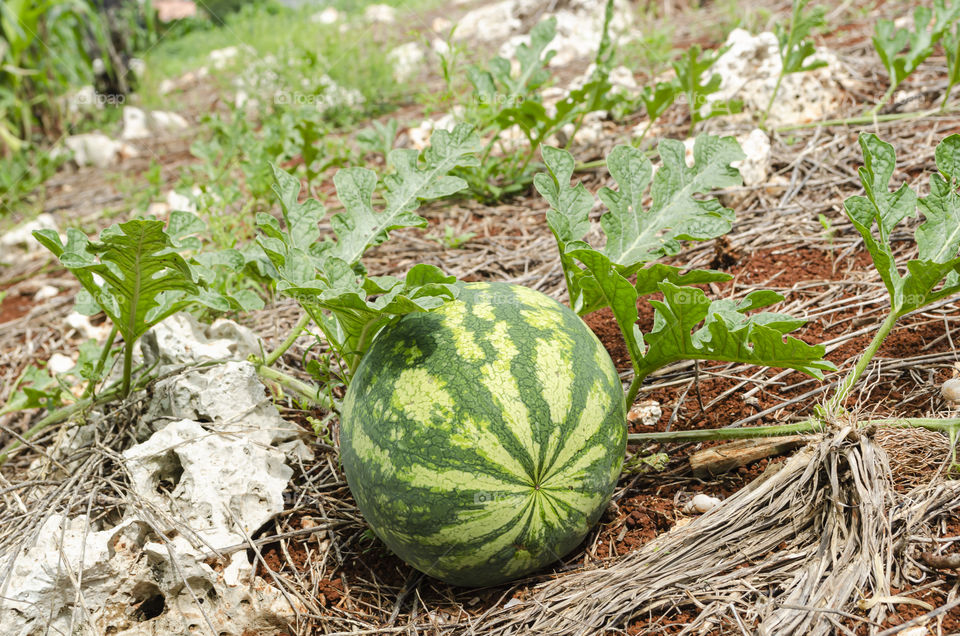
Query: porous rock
129, 590
221, 487
749, 70
97, 149
182, 339
406, 60
140, 124
755, 168
382, 13
228, 398
19, 242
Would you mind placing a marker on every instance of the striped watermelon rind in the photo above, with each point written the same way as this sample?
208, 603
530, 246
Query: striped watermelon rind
484, 439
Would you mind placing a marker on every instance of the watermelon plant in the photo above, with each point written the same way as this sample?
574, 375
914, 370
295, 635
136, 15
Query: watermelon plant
482, 440
931, 277
794, 48
687, 325
902, 50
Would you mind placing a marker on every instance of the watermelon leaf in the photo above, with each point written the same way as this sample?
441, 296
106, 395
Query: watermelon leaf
687, 324
727, 333
135, 275
418, 177
877, 214
326, 276
35, 388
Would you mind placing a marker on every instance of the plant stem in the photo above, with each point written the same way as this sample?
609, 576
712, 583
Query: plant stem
715, 434
104, 354
773, 95
946, 98
112, 393
883, 100
834, 405
306, 391
861, 120
127, 368
291, 338
638, 379
931, 424
805, 426
52, 418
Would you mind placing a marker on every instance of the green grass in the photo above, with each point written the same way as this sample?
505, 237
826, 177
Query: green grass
354, 59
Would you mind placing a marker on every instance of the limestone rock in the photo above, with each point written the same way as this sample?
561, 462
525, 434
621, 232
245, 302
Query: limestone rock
755, 168
130, 590
19, 243
381, 13
96, 149
407, 60
749, 70
182, 339
207, 483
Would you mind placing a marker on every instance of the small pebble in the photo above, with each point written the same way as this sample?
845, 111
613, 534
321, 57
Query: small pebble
59, 363
701, 503
951, 390
45, 292
646, 413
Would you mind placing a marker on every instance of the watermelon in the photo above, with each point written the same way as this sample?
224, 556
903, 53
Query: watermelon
482, 440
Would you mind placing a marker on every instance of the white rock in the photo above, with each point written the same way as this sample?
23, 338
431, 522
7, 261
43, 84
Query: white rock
139, 124
382, 13
19, 241
177, 201
207, 482
645, 413
701, 503
579, 28
137, 66
182, 339
96, 149
755, 168
46, 292
332, 96
420, 135
40, 593
327, 16
167, 86
908, 101
951, 390
439, 46
84, 100
228, 398
135, 124
121, 572
407, 60
221, 58
82, 325
749, 70
161, 120
59, 363
622, 77
489, 23
440, 25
